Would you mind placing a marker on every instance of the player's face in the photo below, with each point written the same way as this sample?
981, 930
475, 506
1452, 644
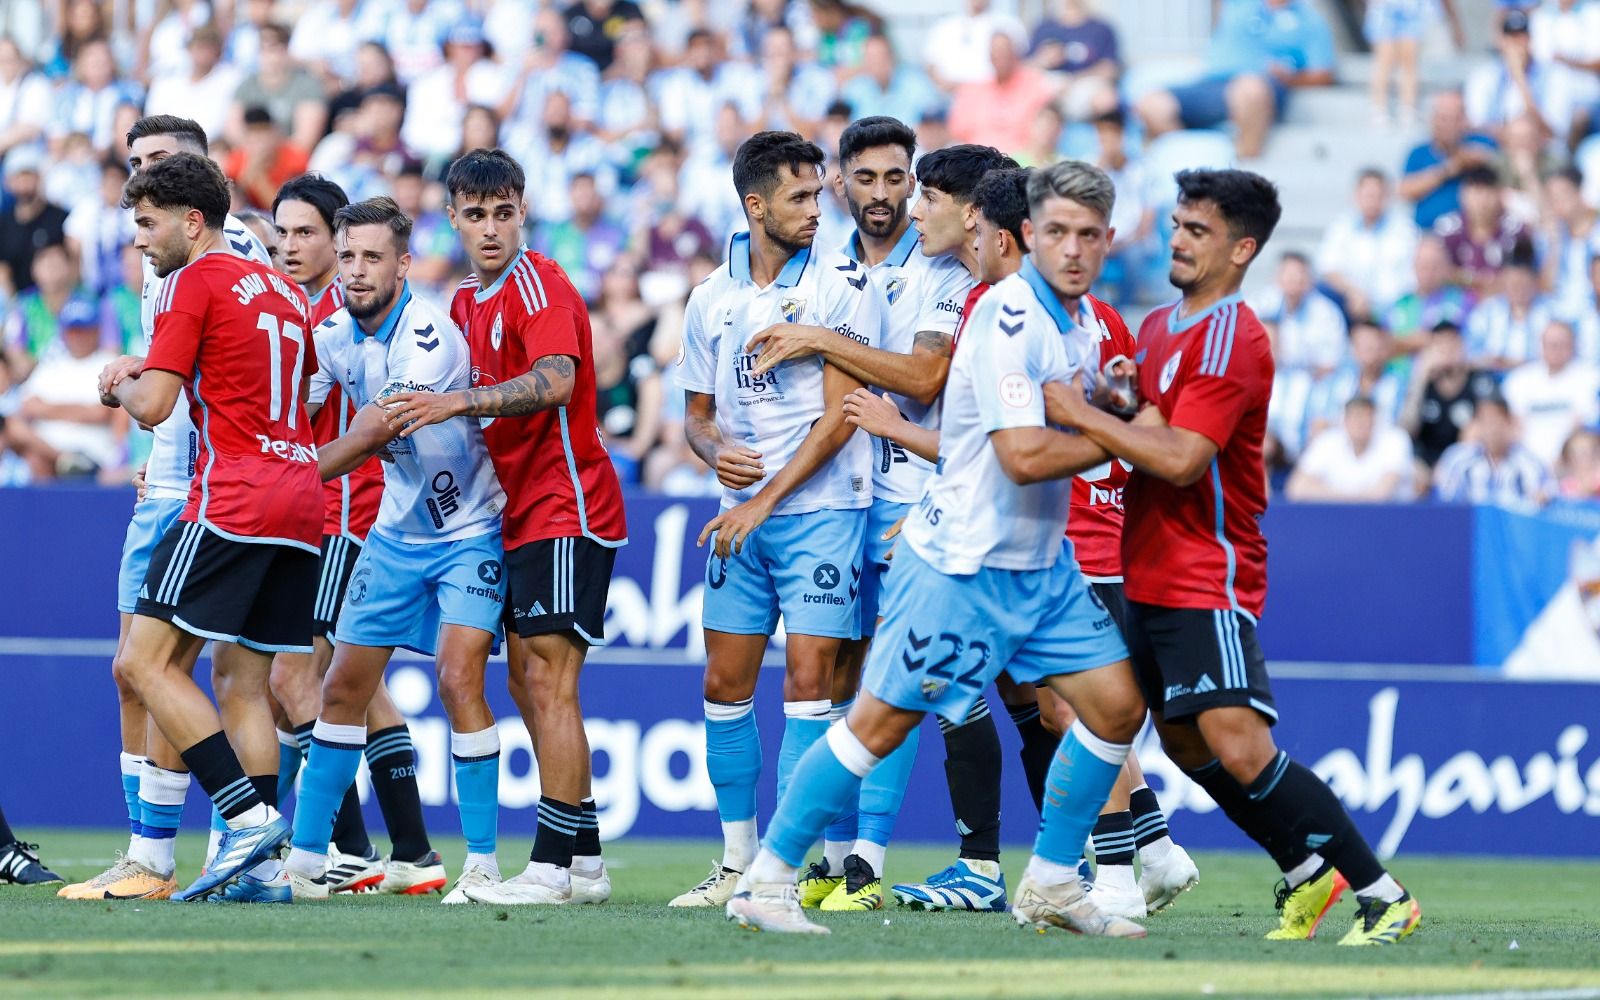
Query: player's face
268, 235
944, 222
1201, 248
1069, 243
877, 185
153, 149
990, 245
490, 228
306, 243
165, 235
790, 214
372, 268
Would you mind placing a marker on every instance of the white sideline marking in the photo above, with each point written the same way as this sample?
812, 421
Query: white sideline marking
1574, 994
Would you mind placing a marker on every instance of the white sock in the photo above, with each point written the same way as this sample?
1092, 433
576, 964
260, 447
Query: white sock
1386, 889
1304, 870
833, 855
768, 867
307, 863
739, 843
267, 870
259, 814
158, 855
548, 874
872, 854
1049, 873
587, 864
1118, 878
1155, 852
988, 869
213, 840
487, 862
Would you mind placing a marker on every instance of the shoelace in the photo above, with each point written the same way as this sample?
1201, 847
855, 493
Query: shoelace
1370, 912
857, 877
950, 874
816, 871
1282, 893
712, 879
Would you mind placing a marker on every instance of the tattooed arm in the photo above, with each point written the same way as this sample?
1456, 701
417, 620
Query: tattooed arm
920, 374
547, 385
737, 467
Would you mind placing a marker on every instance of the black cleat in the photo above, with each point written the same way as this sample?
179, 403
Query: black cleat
19, 865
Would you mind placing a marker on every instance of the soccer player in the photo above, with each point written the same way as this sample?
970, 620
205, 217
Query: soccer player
533, 386
986, 581
430, 576
1195, 561
155, 781
19, 862
924, 280
265, 230
240, 564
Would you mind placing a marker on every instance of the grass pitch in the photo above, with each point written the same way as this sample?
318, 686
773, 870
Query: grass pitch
1498, 928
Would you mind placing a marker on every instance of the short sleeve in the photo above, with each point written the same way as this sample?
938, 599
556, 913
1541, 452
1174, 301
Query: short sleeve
1005, 378
942, 301
551, 330
855, 307
697, 360
180, 316
1217, 392
322, 377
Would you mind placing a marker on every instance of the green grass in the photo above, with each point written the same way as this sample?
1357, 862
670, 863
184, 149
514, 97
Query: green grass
635, 948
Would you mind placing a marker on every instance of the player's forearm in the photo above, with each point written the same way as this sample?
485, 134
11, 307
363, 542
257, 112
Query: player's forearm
1039, 454
144, 400
368, 434
922, 442
548, 385
704, 436
920, 374
824, 440
1156, 449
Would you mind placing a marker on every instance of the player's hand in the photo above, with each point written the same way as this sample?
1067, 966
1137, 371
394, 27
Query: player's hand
734, 526
1065, 405
139, 484
779, 343
111, 375
872, 413
738, 467
1119, 386
890, 536
413, 411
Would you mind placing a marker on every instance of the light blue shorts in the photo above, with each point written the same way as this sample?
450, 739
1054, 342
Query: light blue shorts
1396, 21
881, 516
400, 593
944, 638
806, 567
151, 519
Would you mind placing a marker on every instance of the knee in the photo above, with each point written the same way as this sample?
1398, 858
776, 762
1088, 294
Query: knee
340, 690
1158, 110
283, 680
459, 686
1118, 721
1249, 95
126, 674
1244, 760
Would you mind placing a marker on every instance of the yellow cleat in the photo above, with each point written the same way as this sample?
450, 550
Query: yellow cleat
93, 888
140, 883
1303, 907
1378, 922
861, 888
816, 885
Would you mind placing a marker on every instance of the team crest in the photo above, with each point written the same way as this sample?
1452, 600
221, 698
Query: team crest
896, 285
496, 333
1170, 370
791, 307
933, 689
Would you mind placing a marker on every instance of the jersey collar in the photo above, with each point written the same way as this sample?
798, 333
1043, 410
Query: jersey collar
316, 297
739, 262
485, 294
909, 240
1046, 296
389, 322
1176, 325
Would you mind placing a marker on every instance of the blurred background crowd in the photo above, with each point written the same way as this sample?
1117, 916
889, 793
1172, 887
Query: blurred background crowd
1432, 293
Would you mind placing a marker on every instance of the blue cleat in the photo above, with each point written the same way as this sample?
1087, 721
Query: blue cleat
239, 851
249, 889
959, 887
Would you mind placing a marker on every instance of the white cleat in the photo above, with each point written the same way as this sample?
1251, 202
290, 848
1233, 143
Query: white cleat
715, 890
352, 872
1068, 907
1163, 881
1115, 892
591, 886
414, 878
474, 877
538, 884
303, 888
771, 906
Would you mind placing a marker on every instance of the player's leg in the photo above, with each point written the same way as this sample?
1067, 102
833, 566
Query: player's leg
474, 750
1165, 868
413, 866
19, 862
821, 878
1039, 744
241, 680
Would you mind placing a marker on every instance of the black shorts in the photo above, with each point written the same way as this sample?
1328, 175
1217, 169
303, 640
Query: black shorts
257, 594
1189, 660
1110, 595
559, 585
339, 555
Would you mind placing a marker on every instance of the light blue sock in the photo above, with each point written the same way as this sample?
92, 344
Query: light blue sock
476, 759
161, 795
822, 787
884, 790
131, 766
289, 759
1080, 779
329, 771
733, 757
218, 824
804, 722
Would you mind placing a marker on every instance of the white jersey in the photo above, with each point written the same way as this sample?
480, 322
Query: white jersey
440, 486
924, 294
175, 445
772, 413
972, 516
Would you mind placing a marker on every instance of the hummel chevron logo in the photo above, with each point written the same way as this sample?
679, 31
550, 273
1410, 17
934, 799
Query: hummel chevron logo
242, 249
1015, 326
1012, 312
1010, 329
917, 644
423, 338
855, 581
850, 267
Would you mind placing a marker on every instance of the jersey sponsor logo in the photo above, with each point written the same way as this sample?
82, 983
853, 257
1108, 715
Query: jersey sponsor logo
427, 339
846, 330
1016, 390
791, 307
291, 451
496, 335
446, 499
394, 388
826, 576
1169, 371
949, 306
489, 571
755, 388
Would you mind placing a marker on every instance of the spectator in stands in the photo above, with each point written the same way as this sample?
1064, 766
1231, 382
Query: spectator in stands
1432, 175
163, 50
842, 32
436, 254
1567, 33
551, 67
1503, 331
1370, 373
628, 388
1079, 51
202, 90
243, 47
587, 243
885, 87
374, 68
59, 427
33, 326
1308, 330
1435, 299
595, 25
957, 48
627, 122
1366, 253
264, 160
1572, 234
690, 96
1260, 50
703, 183
1578, 472
1555, 395
83, 22
30, 223
1481, 238
74, 173
97, 229
25, 103
668, 236
328, 33
437, 101
88, 104
290, 93
1514, 85
1492, 466
559, 151
121, 331
1001, 112
379, 146
1043, 146
1444, 389
1133, 214
1394, 29
412, 36
1360, 460
1586, 319
789, 93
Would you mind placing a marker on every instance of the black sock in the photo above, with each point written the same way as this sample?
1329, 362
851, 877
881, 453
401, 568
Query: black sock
1250, 816
214, 764
1149, 822
1038, 748
6, 836
266, 786
587, 844
557, 833
1113, 839
1315, 818
392, 761
972, 768
302, 737
350, 827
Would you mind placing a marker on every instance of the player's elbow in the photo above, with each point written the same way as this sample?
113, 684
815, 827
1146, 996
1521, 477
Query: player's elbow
1019, 467
1188, 470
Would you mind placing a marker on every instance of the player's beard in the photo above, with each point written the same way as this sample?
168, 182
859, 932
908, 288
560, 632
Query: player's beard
170, 255
878, 230
382, 297
789, 243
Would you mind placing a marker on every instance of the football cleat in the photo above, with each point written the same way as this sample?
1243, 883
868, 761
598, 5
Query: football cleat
249, 889
414, 878
1162, 881
307, 888
472, 878
93, 888
1378, 922
1115, 892
1302, 908
138, 882
816, 885
538, 884
861, 889
714, 890
353, 873
592, 885
770, 906
959, 887
19, 865
238, 852
1069, 907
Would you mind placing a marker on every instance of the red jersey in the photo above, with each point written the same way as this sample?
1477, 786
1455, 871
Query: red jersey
349, 503
558, 479
1095, 523
1200, 546
239, 335
966, 310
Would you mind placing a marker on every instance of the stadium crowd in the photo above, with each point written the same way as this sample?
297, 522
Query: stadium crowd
1443, 340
